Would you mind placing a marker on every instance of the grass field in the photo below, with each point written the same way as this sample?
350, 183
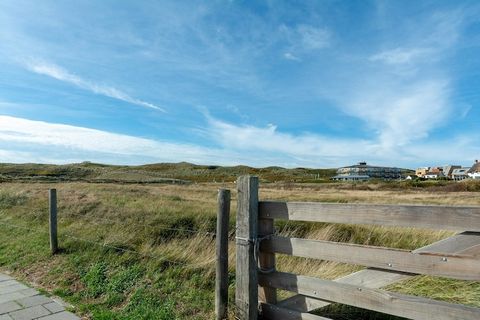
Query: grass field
146, 251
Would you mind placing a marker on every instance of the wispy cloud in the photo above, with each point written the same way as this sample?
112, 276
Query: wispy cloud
23, 140
400, 55
401, 114
320, 150
406, 95
28, 135
303, 39
291, 56
312, 37
59, 73
270, 139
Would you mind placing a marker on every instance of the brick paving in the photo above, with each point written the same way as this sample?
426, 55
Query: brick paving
19, 302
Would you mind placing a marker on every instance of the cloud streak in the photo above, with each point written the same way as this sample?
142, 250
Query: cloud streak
23, 140
27, 135
59, 73
400, 55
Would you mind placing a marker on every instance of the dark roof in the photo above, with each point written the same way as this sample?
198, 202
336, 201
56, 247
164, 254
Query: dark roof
475, 167
368, 166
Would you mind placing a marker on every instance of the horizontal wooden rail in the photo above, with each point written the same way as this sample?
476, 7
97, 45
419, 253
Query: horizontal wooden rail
419, 216
369, 278
375, 279
445, 265
273, 312
382, 301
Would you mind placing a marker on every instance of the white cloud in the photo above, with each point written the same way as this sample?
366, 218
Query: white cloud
27, 136
61, 74
269, 139
291, 56
23, 140
319, 150
401, 114
400, 55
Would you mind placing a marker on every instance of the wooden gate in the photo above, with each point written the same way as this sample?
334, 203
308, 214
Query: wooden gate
457, 257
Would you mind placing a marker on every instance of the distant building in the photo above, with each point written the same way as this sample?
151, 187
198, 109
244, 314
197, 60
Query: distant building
420, 172
362, 171
475, 175
448, 170
474, 171
436, 172
460, 174
475, 167
433, 174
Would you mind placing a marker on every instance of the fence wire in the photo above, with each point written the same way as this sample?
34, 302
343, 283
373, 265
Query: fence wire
144, 225
117, 248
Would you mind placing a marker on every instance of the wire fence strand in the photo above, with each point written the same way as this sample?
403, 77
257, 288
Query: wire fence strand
162, 227
105, 245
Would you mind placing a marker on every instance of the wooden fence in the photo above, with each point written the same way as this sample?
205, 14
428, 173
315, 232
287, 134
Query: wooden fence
457, 257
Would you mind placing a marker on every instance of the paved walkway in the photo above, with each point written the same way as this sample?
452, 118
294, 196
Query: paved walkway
19, 302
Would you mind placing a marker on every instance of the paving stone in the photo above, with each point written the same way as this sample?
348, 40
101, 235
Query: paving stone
30, 313
29, 292
54, 307
60, 316
10, 297
19, 302
13, 288
10, 306
4, 277
33, 301
7, 283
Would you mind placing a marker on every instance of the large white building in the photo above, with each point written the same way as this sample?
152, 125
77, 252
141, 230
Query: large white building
362, 171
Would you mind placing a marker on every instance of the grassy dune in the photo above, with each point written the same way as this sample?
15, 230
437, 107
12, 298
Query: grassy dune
182, 172
147, 252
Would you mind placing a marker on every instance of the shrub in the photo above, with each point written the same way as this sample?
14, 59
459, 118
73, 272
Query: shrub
9, 200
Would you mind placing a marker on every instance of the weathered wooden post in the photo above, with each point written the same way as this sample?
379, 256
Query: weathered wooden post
246, 293
52, 199
221, 284
266, 261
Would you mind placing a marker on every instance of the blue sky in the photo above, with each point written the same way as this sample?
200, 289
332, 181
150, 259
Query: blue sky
297, 83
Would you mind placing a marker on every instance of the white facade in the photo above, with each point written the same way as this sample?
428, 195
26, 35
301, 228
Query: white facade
475, 175
460, 174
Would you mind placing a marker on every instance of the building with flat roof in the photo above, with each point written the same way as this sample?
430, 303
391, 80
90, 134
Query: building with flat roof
362, 171
460, 174
448, 170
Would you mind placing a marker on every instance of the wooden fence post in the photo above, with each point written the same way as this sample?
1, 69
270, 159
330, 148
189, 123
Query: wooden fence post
221, 283
246, 293
266, 261
52, 199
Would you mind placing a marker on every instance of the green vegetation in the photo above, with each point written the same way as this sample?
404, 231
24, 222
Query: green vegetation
155, 173
147, 252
